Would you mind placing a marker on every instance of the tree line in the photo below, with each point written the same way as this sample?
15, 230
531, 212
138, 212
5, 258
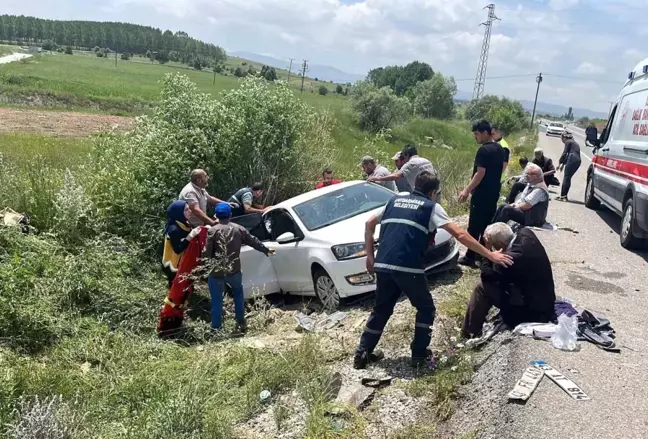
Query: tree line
118, 37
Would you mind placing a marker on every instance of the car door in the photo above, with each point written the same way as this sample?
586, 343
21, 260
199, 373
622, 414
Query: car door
608, 182
259, 276
291, 260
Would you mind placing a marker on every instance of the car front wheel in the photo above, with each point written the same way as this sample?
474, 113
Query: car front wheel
326, 290
627, 236
591, 202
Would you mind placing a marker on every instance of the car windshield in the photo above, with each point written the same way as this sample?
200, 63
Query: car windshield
342, 204
554, 124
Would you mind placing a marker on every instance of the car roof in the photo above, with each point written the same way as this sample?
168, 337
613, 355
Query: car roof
292, 202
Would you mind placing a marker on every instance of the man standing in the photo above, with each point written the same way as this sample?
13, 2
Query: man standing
196, 196
244, 200
406, 223
223, 251
372, 169
532, 206
327, 179
412, 166
401, 184
591, 134
523, 291
498, 137
485, 185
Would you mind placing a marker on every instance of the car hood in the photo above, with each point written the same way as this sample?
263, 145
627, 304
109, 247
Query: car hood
352, 230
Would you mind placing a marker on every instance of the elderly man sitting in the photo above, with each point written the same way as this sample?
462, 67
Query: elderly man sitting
523, 292
531, 207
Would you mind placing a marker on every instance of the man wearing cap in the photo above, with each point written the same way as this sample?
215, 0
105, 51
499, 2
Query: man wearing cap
547, 166
372, 169
401, 184
413, 165
223, 251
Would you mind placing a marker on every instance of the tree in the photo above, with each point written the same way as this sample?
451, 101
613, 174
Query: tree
323, 90
48, 45
435, 97
508, 114
268, 73
239, 72
162, 57
377, 108
338, 89
251, 71
401, 79
68, 50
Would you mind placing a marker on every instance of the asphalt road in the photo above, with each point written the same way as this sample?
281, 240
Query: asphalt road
594, 271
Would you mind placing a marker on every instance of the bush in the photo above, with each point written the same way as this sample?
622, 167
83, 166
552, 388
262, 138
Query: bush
49, 45
322, 90
101, 54
68, 50
125, 56
508, 114
377, 108
339, 89
239, 72
435, 97
135, 176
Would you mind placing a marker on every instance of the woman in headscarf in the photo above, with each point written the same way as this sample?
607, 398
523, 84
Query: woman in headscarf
570, 161
177, 235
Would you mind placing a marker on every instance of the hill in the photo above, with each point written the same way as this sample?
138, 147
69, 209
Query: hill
324, 73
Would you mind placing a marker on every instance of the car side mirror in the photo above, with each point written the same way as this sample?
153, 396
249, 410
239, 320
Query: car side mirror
286, 238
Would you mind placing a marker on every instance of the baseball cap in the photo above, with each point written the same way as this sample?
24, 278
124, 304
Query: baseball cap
538, 149
223, 210
397, 156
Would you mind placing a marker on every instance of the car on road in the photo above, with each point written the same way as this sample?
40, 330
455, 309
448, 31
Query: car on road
618, 175
319, 241
555, 129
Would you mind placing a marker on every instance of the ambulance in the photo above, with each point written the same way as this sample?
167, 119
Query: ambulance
618, 175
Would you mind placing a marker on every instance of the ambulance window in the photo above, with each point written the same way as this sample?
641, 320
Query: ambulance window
605, 134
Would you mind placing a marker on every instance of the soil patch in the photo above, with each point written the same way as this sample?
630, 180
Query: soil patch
53, 123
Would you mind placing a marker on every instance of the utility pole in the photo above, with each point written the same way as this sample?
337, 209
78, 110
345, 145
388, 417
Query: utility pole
538, 80
290, 69
303, 73
480, 79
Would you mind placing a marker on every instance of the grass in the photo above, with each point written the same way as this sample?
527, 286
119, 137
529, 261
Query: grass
84, 81
58, 152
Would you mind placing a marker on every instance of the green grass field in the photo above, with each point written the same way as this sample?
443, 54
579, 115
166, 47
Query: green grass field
83, 81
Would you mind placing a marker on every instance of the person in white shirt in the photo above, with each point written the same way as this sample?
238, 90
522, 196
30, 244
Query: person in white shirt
413, 166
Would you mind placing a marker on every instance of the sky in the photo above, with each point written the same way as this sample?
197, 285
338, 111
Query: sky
584, 48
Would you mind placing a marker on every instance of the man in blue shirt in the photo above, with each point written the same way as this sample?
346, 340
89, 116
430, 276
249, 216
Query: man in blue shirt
406, 223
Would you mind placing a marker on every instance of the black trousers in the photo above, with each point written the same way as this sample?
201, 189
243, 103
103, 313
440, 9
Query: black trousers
516, 189
506, 213
389, 287
482, 211
570, 169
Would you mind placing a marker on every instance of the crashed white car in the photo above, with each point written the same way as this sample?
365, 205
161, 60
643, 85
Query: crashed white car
319, 241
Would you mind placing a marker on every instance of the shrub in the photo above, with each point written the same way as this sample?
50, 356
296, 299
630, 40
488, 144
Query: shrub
258, 131
68, 50
377, 108
339, 89
125, 56
322, 90
435, 97
101, 54
239, 72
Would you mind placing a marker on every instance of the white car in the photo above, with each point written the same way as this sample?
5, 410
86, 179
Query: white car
319, 241
555, 129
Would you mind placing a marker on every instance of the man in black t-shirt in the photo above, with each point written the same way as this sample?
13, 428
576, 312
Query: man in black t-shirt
484, 185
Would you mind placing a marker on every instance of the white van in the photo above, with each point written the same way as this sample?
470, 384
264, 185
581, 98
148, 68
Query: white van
618, 175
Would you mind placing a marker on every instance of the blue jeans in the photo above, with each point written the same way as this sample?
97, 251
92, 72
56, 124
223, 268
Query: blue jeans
216, 288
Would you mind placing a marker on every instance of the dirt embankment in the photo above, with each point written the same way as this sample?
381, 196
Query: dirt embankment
54, 123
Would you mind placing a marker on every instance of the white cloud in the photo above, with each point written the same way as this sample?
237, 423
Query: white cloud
588, 68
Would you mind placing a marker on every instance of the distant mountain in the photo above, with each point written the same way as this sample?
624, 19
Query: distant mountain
324, 73
544, 107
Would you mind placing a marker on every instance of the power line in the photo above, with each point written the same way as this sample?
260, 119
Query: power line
497, 77
583, 78
480, 79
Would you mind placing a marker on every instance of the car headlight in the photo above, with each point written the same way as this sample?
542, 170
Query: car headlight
349, 251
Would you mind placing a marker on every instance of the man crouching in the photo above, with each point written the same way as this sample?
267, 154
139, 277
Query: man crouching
523, 291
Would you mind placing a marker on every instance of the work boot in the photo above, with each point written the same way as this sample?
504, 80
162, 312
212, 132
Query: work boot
362, 358
241, 328
467, 262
